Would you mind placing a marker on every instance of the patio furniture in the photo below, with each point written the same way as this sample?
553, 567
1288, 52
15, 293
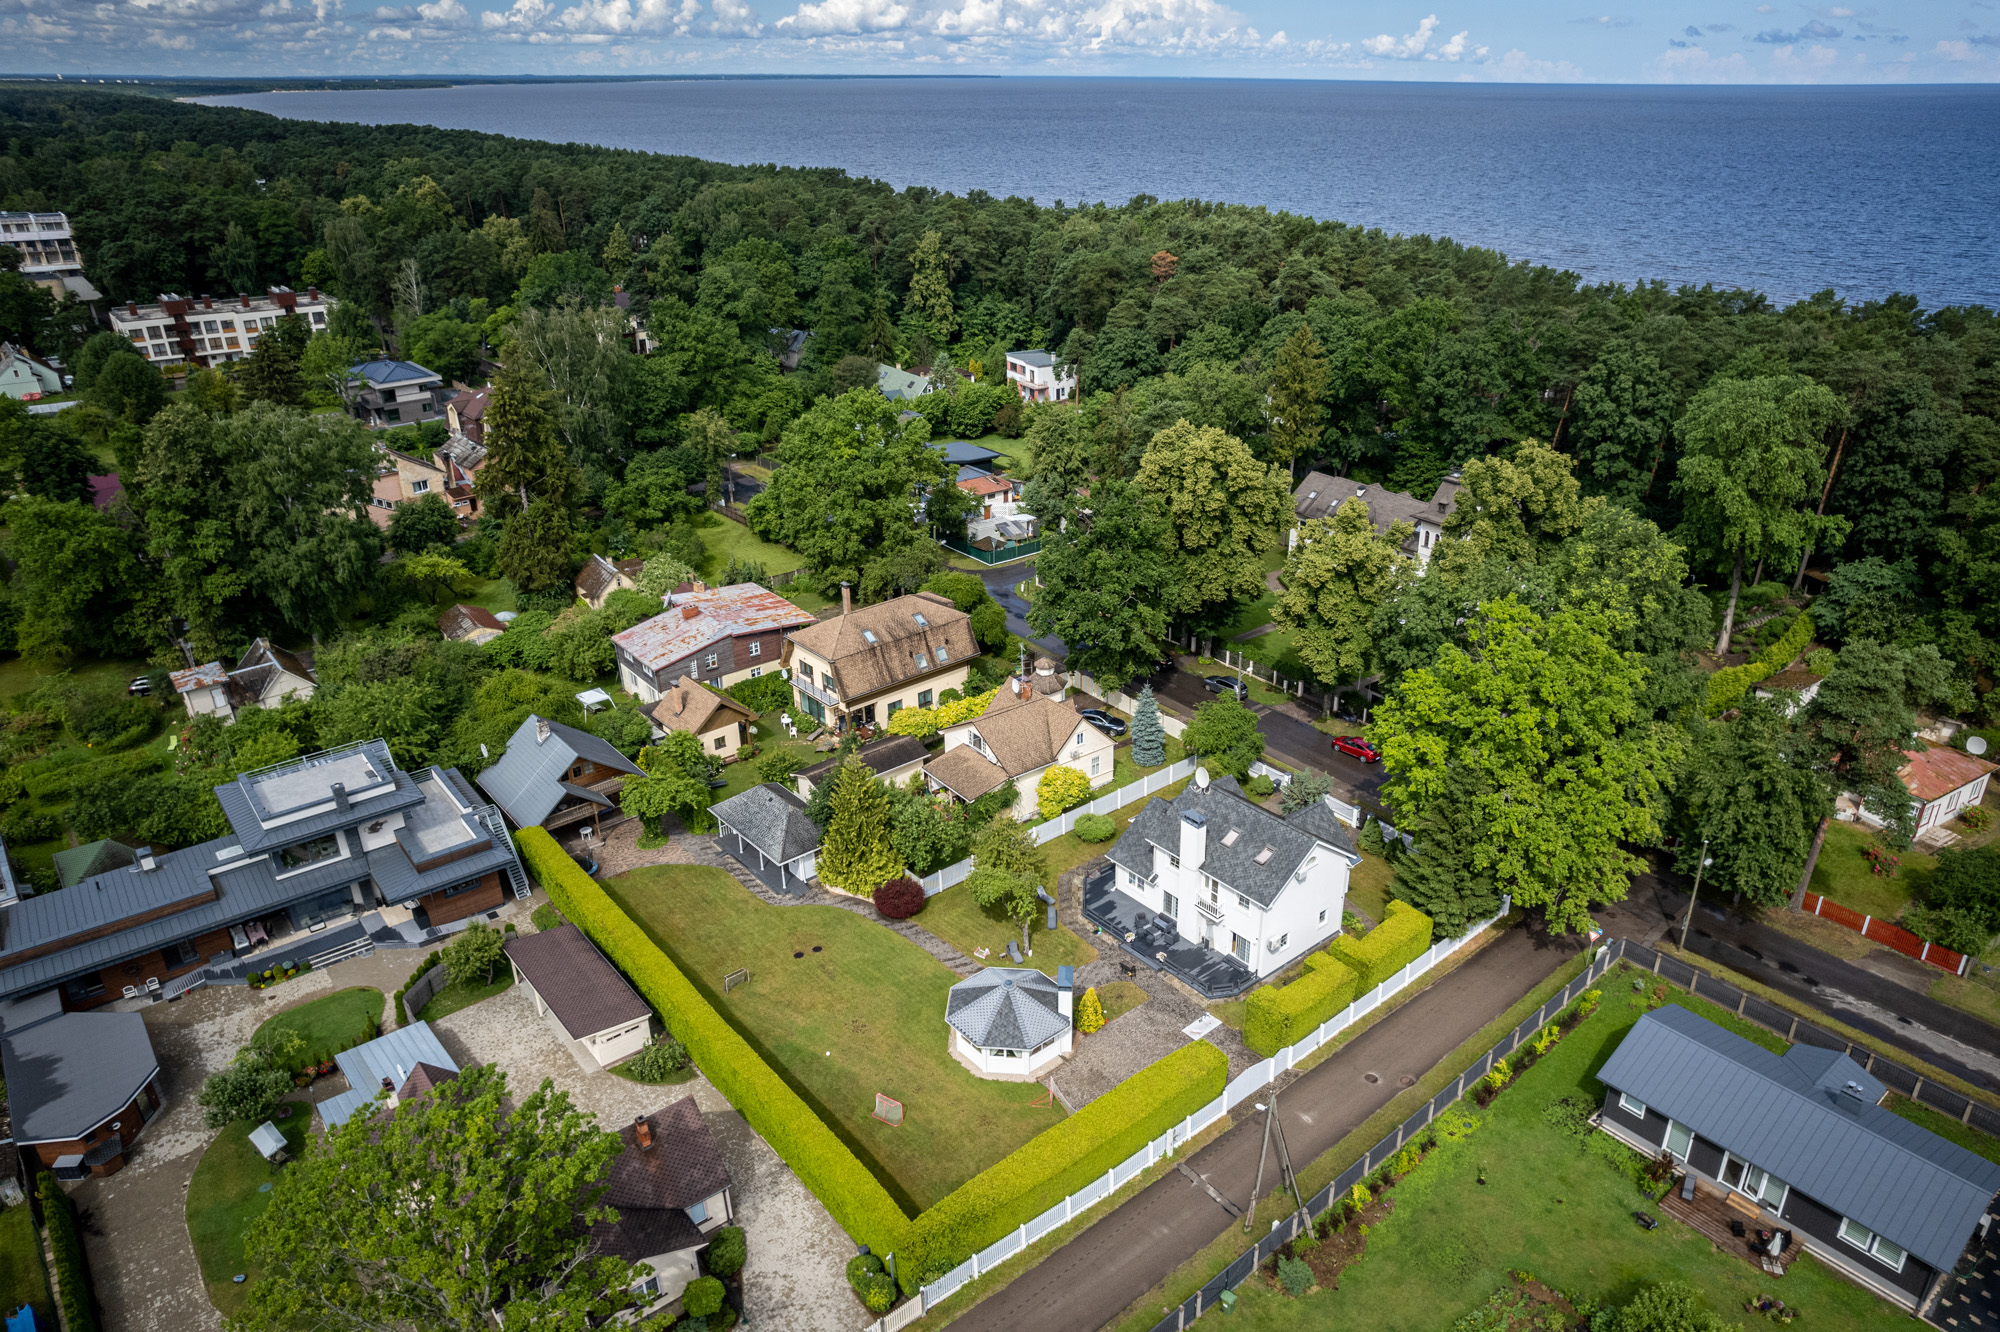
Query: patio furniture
152, 985
131, 992
1014, 952
1687, 1187
239, 938
255, 930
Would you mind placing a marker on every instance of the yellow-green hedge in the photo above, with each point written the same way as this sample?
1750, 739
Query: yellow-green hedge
1061, 1159
1384, 950
1727, 686
1279, 1015
835, 1175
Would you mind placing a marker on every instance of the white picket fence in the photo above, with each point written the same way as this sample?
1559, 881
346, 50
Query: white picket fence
1239, 1089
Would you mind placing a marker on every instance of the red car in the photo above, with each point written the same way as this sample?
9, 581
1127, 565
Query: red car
1357, 747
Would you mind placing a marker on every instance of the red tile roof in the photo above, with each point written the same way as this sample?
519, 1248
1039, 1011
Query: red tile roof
1940, 770
986, 485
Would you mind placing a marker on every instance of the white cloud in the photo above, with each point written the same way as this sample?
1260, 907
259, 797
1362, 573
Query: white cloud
1408, 47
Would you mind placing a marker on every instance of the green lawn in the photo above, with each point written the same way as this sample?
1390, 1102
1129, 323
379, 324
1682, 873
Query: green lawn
24, 1279
495, 594
228, 1192
1120, 998
954, 917
724, 539
1368, 887
1979, 1144
455, 996
742, 775
1068, 851
331, 1023
18, 677
1551, 1205
1843, 874
863, 1015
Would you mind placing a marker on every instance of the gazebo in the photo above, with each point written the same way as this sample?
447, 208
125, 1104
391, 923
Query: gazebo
1011, 1024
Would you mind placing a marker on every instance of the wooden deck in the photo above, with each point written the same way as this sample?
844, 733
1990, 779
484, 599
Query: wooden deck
1711, 1212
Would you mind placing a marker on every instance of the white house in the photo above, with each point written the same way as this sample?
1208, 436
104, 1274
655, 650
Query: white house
1022, 734
1037, 378
1320, 494
670, 1191
264, 677
1011, 1024
1942, 781
1233, 877
597, 1015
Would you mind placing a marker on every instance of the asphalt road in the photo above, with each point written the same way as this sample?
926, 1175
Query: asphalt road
1088, 1281
1000, 583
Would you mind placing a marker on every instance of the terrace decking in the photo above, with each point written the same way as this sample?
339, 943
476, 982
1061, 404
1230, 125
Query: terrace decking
1712, 1211
1215, 975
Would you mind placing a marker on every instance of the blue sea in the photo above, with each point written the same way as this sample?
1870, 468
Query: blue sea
1786, 191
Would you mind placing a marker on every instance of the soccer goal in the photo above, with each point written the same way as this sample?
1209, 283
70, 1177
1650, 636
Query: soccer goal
890, 1112
734, 979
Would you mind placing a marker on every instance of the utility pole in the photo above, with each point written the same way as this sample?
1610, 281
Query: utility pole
1285, 1156
1696, 893
1270, 1113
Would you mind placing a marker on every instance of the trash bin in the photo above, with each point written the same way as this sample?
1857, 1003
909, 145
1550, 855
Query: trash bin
1228, 1301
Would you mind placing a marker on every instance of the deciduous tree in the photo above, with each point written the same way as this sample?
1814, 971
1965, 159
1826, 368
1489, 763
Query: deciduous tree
1745, 795
1105, 580
1224, 735
1337, 578
1223, 510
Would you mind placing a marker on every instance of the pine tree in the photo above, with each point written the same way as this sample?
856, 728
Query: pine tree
1149, 738
1299, 382
857, 855
524, 454
1441, 876
618, 253
534, 550
1089, 1012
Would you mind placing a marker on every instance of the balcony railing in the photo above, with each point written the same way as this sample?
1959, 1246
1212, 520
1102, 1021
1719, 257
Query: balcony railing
1208, 909
813, 690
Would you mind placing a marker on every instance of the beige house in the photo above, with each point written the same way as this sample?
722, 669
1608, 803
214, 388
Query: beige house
264, 678
471, 624
717, 720
402, 477
601, 577
1022, 735
671, 1190
864, 665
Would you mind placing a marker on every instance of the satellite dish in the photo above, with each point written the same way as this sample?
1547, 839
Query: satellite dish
1201, 778
1976, 745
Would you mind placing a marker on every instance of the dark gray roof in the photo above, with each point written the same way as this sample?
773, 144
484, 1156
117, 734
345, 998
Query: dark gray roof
960, 452
273, 796
585, 992
1320, 494
393, 1056
1005, 1008
1234, 862
771, 819
69, 1073
1790, 1115
1319, 821
527, 780
884, 755
1036, 357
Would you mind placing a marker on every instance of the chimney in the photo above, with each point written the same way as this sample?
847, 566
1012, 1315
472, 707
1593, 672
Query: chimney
312, 293
131, 309
207, 301
245, 298
642, 1129
689, 612
846, 598
1065, 989
390, 1087
541, 730
339, 791
1194, 839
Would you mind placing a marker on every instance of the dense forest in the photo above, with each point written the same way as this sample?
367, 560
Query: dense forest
1664, 476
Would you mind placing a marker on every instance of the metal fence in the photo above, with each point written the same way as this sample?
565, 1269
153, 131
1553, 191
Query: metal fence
1007, 554
1128, 705
1307, 692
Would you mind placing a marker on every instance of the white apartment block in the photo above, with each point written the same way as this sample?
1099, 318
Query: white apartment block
1037, 378
202, 330
47, 249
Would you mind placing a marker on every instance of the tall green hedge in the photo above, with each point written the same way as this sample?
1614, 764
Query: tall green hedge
1384, 950
1061, 1159
1279, 1015
79, 1310
836, 1177
1727, 686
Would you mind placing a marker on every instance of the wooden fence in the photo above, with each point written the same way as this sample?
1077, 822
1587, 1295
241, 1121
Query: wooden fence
1882, 932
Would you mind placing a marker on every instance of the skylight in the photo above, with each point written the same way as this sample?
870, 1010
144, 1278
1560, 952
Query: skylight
868, 635
918, 616
1229, 838
922, 662
944, 653
1264, 857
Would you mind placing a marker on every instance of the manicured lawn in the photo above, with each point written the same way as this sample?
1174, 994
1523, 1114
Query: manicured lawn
93, 673
455, 996
724, 539
495, 594
1843, 874
742, 775
1368, 887
954, 917
331, 1023
1979, 1144
1120, 998
1068, 851
865, 1014
1552, 1205
688, 1074
1124, 771
24, 1278
229, 1192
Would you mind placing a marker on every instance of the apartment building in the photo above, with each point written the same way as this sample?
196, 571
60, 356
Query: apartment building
49, 256
205, 330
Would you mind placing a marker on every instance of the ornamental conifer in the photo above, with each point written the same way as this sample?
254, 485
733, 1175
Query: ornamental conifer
1149, 737
1089, 1012
857, 856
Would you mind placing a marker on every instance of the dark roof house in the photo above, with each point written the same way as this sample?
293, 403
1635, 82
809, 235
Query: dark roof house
1320, 494
77, 863
80, 1086
766, 829
893, 758
584, 994
553, 775
470, 624
670, 1188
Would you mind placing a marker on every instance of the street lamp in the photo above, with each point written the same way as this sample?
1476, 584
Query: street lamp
1705, 863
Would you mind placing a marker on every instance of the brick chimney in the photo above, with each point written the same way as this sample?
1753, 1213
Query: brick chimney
312, 293
207, 301
642, 1129
689, 612
846, 598
131, 309
245, 298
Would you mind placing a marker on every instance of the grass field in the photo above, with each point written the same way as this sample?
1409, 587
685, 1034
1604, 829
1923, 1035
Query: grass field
455, 996
229, 1192
24, 1278
331, 1023
1068, 851
1120, 998
1843, 874
494, 594
954, 917
724, 539
1553, 1205
1368, 887
862, 1015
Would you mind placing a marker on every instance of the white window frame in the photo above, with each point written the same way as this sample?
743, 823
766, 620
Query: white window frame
1095, 761
756, 649
1667, 1143
1631, 1105
1873, 1245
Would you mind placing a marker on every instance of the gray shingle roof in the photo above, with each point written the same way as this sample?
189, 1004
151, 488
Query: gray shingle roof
771, 819
68, 1074
1232, 862
1789, 1115
1005, 1008
884, 755
527, 780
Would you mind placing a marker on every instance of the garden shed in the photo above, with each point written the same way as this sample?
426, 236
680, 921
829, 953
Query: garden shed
599, 1016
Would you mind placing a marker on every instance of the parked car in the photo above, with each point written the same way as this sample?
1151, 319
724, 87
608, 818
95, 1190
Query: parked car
1356, 747
1103, 721
140, 687
1226, 684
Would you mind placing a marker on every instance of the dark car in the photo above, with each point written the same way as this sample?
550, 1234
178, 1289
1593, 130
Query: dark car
1103, 721
141, 686
1226, 684
1356, 747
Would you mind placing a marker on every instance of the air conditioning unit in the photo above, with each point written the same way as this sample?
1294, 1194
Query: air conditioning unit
1271, 945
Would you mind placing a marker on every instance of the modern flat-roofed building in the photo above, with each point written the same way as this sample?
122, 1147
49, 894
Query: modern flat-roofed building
49, 256
208, 330
1037, 378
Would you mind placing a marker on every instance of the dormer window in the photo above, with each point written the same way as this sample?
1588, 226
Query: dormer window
979, 742
943, 654
922, 623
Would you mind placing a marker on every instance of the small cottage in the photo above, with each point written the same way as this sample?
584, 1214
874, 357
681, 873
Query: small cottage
596, 1013
1942, 781
671, 1190
553, 776
719, 722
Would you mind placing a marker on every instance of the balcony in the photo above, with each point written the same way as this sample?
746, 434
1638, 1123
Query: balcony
1208, 909
814, 690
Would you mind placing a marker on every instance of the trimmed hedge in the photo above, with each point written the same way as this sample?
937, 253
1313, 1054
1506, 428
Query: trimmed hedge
1062, 1159
1404, 934
72, 1272
1727, 686
1279, 1015
836, 1177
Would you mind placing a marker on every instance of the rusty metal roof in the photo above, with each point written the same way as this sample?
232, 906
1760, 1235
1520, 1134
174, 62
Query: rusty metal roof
200, 677
693, 620
1936, 772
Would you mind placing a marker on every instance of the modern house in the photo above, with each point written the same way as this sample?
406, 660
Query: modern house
899, 385
1798, 1142
402, 477
1942, 781
466, 412
385, 393
671, 1190
961, 454
601, 577
265, 676
25, 376
767, 830
470, 624
1021, 735
1221, 892
894, 759
591, 1007
553, 776
205, 331
860, 667
717, 635
312, 842
49, 254
998, 496
1010, 1024
1037, 378
788, 345
81, 1087
1320, 494
406, 1063
719, 722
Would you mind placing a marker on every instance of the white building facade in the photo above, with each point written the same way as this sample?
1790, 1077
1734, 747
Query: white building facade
48, 251
1037, 378
206, 330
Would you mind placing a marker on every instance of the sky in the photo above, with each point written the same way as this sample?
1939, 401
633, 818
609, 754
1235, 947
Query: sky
1510, 41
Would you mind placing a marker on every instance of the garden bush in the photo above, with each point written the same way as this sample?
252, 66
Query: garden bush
433, 957
727, 1252
1727, 687
546, 917
659, 1059
1260, 787
1094, 828
766, 693
1062, 1159
72, 1272
826, 1165
1403, 935
702, 1297
899, 899
25, 823
1280, 1015
1060, 788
